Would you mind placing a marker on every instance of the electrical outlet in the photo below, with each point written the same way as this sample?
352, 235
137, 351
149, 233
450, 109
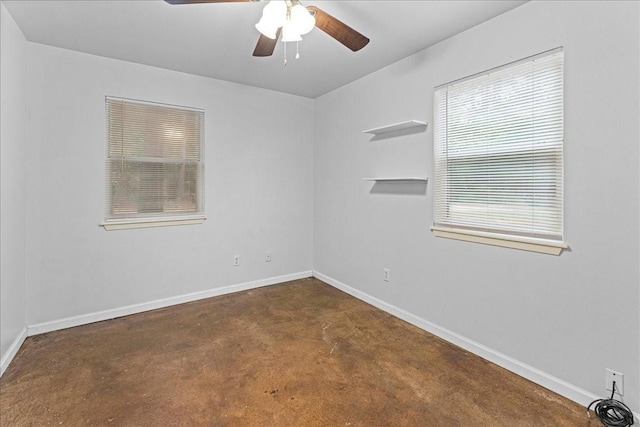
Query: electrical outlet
236, 260
386, 275
612, 376
267, 257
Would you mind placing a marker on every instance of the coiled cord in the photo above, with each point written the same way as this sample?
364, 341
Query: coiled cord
612, 412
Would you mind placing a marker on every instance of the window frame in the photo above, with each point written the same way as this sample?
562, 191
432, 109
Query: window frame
509, 235
162, 218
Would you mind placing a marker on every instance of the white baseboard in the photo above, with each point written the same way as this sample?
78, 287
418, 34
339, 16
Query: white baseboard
69, 322
13, 350
535, 375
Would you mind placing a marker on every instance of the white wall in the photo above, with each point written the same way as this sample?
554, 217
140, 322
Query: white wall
564, 318
258, 148
13, 52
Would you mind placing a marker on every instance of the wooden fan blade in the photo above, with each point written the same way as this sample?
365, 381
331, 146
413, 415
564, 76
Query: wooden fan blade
265, 45
205, 1
339, 30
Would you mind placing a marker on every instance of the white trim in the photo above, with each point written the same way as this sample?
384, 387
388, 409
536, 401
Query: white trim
126, 224
531, 373
550, 247
83, 319
13, 350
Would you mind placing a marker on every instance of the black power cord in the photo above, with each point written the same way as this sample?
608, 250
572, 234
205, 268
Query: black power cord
612, 412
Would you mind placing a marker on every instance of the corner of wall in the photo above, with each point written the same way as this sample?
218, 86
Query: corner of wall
13, 128
11, 352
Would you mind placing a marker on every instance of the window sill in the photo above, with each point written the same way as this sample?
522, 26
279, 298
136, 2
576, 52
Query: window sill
550, 247
126, 224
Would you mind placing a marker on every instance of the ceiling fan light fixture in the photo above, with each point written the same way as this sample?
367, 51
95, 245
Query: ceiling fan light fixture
293, 17
275, 12
274, 16
302, 19
266, 28
290, 33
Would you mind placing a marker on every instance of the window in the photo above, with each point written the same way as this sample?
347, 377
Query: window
498, 150
154, 164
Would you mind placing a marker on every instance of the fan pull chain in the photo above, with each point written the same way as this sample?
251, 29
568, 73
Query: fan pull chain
285, 54
297, 53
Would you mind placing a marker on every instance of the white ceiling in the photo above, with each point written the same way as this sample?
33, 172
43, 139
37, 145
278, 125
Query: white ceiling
217, 40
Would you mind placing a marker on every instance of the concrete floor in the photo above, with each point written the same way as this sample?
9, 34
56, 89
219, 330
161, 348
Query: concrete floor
296, 354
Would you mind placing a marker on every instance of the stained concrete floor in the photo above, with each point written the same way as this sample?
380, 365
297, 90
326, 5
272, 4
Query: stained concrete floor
296, 354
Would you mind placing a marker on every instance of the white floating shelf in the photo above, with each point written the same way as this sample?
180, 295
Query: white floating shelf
398, 178
396, 127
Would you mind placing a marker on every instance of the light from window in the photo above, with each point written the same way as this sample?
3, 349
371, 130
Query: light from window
498, 150
155, 162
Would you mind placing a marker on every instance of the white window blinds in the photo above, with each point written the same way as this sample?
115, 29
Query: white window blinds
498, 149
154, 161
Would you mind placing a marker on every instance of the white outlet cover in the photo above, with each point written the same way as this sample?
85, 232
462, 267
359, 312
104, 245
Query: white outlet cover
612, 376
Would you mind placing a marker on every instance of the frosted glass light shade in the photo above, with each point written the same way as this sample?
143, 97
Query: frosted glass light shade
275, 12
266, 28
290, 33
302, 19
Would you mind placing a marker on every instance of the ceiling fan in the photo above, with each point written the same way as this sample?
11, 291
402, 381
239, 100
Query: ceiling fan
279, 16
